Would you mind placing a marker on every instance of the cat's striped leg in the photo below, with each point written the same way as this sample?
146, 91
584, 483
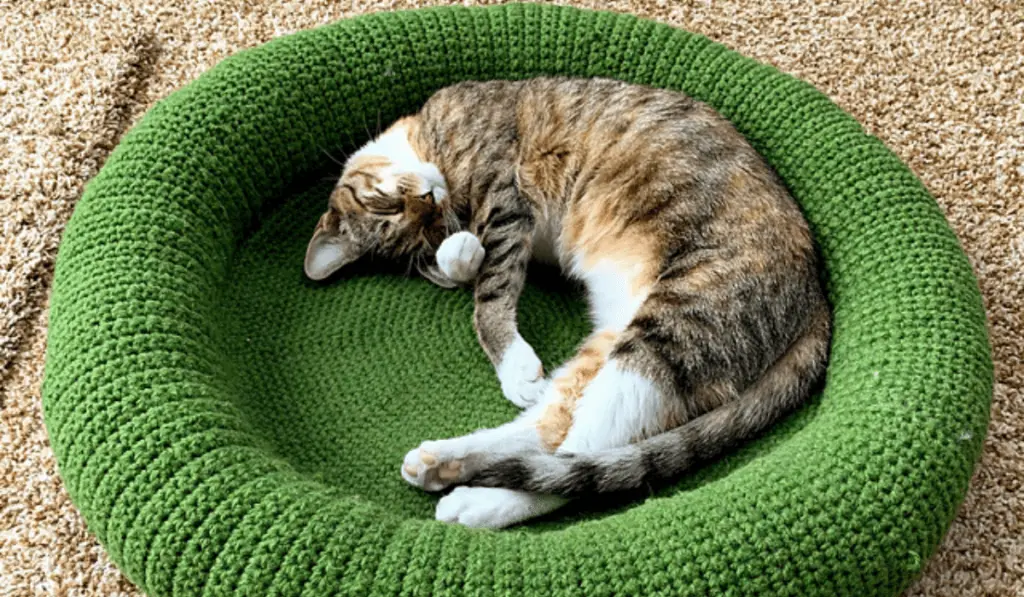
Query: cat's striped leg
437, 464
506, 233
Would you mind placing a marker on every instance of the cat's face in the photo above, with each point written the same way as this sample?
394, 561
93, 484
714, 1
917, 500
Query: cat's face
387, 203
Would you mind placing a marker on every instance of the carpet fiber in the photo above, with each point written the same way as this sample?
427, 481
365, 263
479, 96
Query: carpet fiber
935, 85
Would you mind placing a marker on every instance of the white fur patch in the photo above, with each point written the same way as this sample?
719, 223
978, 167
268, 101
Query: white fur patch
616, 408
394, 145
613, 302
521, 374
493, 507
460, 256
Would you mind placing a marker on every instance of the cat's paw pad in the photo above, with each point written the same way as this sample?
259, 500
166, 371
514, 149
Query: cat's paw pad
459, 256
483, 507
521, 374
430, 467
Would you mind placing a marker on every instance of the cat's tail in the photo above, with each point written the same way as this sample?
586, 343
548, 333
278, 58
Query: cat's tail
665, 457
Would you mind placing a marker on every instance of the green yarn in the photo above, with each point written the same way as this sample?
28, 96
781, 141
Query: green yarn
228, 427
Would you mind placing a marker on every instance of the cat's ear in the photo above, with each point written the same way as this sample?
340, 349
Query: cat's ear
327, 253
432, 272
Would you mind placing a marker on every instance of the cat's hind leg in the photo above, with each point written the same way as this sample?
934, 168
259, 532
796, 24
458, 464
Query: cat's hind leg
437, 464
621, 405
543, 427
494, 507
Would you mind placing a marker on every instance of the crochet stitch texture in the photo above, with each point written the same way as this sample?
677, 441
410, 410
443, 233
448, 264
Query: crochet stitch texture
227, 427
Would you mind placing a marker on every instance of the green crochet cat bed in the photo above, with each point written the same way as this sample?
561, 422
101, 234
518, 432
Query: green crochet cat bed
228, 427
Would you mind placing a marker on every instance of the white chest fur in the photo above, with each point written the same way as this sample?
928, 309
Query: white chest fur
612, 290
614, 295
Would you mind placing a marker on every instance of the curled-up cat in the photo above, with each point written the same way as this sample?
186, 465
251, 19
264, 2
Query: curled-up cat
709, 320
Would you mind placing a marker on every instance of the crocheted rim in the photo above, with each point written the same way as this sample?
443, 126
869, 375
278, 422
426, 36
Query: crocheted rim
907, 394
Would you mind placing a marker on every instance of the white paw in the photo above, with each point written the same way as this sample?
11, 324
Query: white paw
433, 466
493, 507
521, 374
460, 256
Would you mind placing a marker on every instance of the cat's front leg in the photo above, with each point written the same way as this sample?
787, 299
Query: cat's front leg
521, 373
506, 235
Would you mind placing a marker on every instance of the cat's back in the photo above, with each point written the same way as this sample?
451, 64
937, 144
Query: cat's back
603, 153
607, 134
632, 148
634, 166
473, 109
594, 115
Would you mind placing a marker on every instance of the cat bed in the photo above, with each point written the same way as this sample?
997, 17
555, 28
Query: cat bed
227, 426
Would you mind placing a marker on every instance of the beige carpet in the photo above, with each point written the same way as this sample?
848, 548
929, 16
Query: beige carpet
940, 83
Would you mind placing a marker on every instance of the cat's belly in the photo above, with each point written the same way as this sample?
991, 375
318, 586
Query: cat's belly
545, 240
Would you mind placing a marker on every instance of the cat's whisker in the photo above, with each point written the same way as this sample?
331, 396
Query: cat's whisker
351, 139
366, 127
414, 260
331, 157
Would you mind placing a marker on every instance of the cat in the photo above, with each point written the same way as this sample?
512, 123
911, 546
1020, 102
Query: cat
710, 322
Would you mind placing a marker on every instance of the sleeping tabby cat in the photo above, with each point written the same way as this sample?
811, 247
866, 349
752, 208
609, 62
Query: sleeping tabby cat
709, 320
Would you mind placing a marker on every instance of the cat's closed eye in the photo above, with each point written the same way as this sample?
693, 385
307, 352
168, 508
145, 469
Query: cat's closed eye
377, 202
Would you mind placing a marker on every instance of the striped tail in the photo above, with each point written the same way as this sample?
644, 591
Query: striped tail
663, 458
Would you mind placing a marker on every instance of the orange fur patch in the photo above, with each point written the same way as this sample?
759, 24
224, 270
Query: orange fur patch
602, 234
557, 419
365, 164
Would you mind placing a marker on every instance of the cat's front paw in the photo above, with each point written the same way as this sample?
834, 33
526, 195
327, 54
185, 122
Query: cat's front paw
459, 256
521, 374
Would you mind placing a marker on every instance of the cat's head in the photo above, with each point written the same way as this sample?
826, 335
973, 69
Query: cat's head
388, 202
